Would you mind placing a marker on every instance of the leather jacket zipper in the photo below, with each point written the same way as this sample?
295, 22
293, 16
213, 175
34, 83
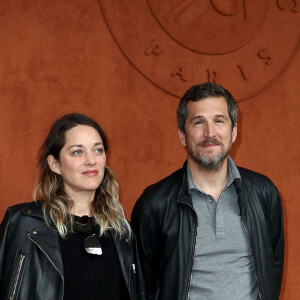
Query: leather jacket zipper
195, 241
191, 274
19, 268
247, 232
35, 242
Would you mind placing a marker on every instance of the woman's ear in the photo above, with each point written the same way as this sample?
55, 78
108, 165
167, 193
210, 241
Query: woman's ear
53, 164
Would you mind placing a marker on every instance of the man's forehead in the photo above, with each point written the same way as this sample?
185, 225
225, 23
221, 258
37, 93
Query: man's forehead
210, 98
209, 104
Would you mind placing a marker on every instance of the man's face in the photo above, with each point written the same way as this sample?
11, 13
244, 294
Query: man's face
208, 132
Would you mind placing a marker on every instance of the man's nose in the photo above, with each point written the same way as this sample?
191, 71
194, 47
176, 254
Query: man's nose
209, 130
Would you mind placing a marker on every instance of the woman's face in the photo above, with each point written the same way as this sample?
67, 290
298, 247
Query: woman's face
82, 160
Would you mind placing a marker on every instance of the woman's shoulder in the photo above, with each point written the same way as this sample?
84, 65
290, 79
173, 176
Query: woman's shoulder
19, 212
26, 207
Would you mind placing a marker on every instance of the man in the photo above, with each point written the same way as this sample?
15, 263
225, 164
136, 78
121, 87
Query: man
210, 230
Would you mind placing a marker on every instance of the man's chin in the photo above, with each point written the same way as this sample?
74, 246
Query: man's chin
209, 162
210, 157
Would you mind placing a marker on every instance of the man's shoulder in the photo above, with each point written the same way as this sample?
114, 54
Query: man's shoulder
166, 187
158, 197
253, 177
257, 183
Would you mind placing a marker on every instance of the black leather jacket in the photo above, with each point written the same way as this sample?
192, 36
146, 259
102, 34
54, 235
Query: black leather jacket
31, 266
165, 225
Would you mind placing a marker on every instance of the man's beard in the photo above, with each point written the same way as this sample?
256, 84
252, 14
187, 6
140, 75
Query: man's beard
209, 162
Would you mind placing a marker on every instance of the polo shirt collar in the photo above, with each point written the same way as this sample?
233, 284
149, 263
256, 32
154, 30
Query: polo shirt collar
233, 175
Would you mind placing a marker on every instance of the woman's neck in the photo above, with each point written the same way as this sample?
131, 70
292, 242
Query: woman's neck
82, 203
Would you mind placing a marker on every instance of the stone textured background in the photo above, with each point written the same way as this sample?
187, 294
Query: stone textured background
58, 57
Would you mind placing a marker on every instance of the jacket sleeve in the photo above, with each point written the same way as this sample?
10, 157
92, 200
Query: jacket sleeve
4, 232
139, 271
145, 230
277, 236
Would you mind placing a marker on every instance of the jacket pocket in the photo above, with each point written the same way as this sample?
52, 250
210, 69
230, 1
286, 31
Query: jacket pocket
17, 275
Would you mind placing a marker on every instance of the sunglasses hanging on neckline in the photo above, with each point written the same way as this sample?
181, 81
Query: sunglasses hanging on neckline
92, 245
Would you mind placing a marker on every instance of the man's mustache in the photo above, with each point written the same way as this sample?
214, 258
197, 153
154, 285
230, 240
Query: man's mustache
210, 141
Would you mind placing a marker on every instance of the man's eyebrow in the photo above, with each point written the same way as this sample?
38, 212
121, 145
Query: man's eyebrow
221, 116
215, 116
197, 117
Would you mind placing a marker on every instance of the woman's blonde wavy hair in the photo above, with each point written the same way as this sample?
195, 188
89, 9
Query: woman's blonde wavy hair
49, 187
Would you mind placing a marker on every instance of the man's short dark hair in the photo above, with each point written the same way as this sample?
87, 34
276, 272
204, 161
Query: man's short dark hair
202, 91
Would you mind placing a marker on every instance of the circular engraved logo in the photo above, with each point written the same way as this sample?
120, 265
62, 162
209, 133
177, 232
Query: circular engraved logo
210, 27
241, 44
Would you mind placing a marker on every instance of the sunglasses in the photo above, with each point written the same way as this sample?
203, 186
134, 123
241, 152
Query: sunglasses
92, 245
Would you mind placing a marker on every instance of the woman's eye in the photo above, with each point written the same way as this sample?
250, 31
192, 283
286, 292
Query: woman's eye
77, 152
99, 150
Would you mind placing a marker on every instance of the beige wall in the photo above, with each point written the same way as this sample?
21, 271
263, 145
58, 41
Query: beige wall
58, 57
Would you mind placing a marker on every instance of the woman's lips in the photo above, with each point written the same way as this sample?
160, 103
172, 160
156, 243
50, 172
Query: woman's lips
90, 173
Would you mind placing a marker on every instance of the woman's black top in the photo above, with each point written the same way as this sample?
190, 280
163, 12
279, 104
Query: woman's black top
89, 276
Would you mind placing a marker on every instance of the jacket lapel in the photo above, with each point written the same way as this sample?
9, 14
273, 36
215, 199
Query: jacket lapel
44, 237
124, 253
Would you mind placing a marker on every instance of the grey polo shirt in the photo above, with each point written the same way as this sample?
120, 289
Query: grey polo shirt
223, 267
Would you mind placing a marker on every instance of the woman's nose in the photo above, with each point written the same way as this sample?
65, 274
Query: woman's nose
90, 159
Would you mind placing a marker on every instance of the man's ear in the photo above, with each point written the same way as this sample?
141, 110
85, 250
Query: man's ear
182, 137
234, 133
53, 164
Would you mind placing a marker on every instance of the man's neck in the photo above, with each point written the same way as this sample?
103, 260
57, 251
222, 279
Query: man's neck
211, 182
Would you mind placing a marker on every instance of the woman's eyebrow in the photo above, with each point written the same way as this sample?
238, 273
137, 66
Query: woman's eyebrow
79, 146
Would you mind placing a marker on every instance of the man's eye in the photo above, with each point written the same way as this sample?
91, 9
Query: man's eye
220, 121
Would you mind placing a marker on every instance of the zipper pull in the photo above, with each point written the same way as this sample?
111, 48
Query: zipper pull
133, 268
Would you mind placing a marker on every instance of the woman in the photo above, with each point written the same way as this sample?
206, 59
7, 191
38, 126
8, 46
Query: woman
75, 242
